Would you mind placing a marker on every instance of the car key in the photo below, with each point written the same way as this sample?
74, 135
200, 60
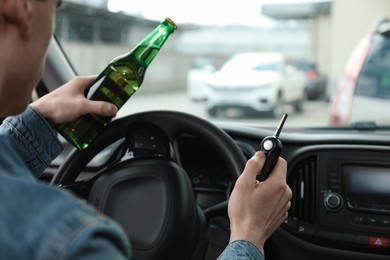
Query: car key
272, 147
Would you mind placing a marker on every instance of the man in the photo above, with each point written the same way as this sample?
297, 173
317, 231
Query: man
38, 221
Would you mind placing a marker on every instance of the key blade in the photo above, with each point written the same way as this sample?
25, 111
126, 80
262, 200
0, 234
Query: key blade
279, 129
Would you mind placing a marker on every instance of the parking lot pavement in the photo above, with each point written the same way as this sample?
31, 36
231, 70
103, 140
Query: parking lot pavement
315, 113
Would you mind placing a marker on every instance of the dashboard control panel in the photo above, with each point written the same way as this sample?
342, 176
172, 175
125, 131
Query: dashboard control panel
352, 197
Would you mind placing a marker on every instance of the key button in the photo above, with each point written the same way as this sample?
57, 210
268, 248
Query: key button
268, 145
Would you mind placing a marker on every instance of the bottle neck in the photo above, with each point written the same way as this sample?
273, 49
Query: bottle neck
157, 37
149, 47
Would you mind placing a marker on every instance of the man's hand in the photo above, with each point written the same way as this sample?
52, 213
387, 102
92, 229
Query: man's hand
68, 102
256, 209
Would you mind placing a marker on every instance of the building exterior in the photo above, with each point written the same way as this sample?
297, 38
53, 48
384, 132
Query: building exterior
329, 21
318, 34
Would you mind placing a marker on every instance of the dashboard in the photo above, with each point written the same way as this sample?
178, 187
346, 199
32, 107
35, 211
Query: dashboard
340, 182
206, 170
341, 193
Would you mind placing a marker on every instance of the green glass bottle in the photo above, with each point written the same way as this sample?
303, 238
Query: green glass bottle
116, 84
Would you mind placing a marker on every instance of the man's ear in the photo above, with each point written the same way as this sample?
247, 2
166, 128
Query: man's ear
16, 13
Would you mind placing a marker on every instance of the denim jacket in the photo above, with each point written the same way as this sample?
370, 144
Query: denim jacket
241, 250
38, 221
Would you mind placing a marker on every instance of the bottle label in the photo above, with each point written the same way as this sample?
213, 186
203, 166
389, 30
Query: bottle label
94, 87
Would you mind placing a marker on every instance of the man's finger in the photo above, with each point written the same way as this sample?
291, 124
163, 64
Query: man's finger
86, 81
253, 167
101, 108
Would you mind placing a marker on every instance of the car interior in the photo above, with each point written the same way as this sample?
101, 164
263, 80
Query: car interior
165, 176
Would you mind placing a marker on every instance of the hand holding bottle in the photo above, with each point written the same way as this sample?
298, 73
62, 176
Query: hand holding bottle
116, 84
68, 102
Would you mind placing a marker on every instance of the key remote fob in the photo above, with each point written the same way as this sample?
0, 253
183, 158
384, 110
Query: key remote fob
272, 147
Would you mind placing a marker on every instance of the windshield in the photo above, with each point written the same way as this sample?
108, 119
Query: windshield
305, 44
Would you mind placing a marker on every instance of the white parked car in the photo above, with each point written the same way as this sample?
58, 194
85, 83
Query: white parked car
256, 82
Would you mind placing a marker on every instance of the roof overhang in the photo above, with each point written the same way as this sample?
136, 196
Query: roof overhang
296, 10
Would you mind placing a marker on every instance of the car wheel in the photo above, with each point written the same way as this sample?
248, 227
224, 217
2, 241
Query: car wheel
278, 109
213, 112
298, 106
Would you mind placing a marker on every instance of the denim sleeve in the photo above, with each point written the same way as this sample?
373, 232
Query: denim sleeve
241, 250
100, 241
44, 222
82, 233
32, 139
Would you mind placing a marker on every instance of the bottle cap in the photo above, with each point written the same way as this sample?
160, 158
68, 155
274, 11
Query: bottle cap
171, 22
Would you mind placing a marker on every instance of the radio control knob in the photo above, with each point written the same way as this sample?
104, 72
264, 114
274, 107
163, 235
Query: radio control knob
333, 201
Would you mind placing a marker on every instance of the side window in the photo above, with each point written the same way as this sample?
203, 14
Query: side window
374, 79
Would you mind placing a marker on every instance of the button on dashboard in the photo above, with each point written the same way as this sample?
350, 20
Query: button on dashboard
358, 219
385, 221
372, 220
378, 242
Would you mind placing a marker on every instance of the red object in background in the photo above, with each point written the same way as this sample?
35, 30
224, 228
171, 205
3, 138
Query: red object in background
311, 74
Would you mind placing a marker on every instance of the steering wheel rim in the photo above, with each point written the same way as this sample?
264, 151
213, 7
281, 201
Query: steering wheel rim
174, 124
184, 123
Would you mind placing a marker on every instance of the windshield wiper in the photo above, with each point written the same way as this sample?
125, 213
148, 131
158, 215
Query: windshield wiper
364, 125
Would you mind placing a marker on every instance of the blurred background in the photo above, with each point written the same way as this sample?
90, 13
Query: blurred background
315, 37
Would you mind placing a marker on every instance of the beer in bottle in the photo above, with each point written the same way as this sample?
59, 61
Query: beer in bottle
116, 84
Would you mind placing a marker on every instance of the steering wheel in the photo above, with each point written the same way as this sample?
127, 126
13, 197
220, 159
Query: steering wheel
146, 190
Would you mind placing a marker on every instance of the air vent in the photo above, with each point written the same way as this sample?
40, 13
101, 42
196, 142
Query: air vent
302, 180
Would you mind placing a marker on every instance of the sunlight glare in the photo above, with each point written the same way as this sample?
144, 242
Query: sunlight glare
214, 12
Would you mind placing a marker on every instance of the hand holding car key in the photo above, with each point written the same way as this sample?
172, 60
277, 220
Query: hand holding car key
272, 147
